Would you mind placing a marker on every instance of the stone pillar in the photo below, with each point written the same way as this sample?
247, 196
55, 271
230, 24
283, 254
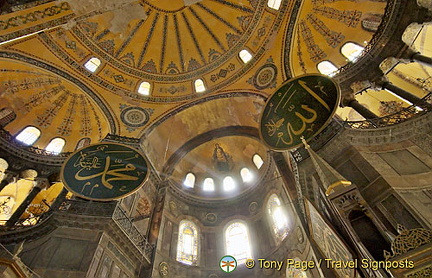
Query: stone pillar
417, 57
156, 219
415, 100
366, 113
39, 185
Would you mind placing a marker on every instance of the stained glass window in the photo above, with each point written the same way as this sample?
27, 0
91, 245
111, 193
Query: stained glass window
28, 135
237, 242
92, 64
56, 145
279, 220
257, 160
187, 246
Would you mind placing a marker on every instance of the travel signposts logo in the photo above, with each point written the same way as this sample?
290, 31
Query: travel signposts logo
228, 263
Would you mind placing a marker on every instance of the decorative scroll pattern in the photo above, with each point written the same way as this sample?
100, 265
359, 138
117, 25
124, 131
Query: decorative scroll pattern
316, 53
408, 240
333, 38
66, 126
424, 273
349, 18
46, 118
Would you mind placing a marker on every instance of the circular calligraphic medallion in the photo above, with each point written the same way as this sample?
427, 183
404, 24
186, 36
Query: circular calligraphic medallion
104, 171
301, 107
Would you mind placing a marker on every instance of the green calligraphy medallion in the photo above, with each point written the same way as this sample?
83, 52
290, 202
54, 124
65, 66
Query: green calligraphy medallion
302, 106
104, 171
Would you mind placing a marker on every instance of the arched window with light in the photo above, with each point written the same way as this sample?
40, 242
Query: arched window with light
279, 220
351, 51
327, 68
245, 56
246, 175
208, 185
199, 86
187, 245
92, 64
228, 184
189, 180
257, 160
144, 89
83, 142
28, 135
237, 243
56, 145
274, 4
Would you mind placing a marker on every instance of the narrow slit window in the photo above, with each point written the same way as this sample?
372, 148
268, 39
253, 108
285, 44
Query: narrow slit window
274, 4
144, 89
199, 86
92, 64
351, 51
208, 185
327, 68
56, 145
245, 56
28, 135
189, 181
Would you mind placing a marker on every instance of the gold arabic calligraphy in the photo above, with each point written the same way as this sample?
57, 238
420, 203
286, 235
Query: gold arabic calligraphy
117, 170
274, 127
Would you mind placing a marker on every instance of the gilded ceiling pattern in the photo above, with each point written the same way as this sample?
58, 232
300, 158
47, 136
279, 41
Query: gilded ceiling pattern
51, 103
321, 29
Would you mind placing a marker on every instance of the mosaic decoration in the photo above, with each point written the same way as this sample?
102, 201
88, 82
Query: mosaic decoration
135, 116
65, 128
45, 118
333, 38
316, 53
328, 241
104, 172
301, 107
265, 77
222, 72
349, 18
211, 217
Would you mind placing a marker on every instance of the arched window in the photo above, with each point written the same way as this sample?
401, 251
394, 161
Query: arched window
83, 142
92, 64
246, 175
228, 184
237, 242
187, 246
144, 88
199, 86
245, 56
28, 135
56, 145
274, 4
208, 184
327, 68
7, 115
279, 220
351, 50
257, 160
189, 180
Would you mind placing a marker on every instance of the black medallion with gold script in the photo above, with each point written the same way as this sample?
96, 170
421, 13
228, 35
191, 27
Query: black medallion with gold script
302, 106
104, 171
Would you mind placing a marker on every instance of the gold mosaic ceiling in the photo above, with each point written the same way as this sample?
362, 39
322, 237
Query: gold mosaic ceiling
170, 44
